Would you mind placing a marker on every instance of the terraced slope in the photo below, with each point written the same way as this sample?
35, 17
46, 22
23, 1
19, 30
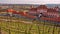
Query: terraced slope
22, 28
7, 27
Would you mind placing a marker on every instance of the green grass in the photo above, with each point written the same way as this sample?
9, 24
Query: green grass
23, 28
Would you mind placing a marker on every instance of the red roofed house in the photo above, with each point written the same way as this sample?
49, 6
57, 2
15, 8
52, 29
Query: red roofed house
42, 9
39, 9
33, 11
46, 11
10, 11
52, 12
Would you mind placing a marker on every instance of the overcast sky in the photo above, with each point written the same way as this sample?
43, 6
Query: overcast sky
30, 1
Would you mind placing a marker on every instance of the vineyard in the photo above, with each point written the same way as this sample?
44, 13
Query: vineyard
19, 27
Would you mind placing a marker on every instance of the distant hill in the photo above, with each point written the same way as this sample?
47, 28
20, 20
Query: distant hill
53, 5
49, 5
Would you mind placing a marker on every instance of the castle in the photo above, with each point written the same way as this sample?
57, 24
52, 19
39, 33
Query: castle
45, 10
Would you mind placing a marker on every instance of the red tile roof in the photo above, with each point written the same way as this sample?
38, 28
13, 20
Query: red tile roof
42, 7
10, 10
33, 9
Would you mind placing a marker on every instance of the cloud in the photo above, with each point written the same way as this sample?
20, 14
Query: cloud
30, 1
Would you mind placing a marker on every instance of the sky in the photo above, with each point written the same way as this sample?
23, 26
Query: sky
30, 1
